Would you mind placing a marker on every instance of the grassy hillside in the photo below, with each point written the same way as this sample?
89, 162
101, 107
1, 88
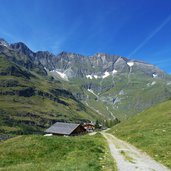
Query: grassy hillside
122, 97
150, 131
31, 102
84, 153
137, 94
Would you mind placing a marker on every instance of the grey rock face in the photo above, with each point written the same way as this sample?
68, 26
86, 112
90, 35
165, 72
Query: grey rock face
3, 43
45, 58
148, 69
21, 48
79, 66
111, 83
20, 54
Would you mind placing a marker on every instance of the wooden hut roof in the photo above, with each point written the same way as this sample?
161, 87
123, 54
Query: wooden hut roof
62, 128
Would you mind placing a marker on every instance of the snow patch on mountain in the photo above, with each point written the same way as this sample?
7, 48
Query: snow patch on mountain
61, 74
130, 63
89, 76
155, 75
96, 76
114, 71
93, 76
106, 74
3, 43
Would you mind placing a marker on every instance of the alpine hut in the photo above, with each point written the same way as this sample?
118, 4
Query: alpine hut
61, 128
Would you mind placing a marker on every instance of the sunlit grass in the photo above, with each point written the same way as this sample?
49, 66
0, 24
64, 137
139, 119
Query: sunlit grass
84, 153
150, 131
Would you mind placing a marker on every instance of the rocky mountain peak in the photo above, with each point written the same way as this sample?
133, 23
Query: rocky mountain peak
100, 54
20, 46
22, 49
3, 42
44, 54
69, 55
76, 65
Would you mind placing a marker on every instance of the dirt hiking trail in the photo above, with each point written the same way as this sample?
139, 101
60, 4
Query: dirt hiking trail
129, 158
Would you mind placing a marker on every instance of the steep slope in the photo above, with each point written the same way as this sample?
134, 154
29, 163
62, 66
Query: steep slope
30, 102
110, 85
150, 131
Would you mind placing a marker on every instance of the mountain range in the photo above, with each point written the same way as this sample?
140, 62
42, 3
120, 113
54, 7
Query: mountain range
39, 88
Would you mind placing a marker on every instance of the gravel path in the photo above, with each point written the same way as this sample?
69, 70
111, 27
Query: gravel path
129, 158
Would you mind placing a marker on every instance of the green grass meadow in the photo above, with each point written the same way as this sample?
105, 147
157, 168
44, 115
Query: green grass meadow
36, 152
149, 131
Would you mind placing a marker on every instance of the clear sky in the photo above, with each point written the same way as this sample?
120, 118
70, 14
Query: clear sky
138, 29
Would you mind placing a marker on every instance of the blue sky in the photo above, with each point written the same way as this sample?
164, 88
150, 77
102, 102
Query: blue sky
138, 29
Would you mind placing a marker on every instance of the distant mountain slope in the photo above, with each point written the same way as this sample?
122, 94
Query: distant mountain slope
109, 86
150, 131
112, 85
30, 102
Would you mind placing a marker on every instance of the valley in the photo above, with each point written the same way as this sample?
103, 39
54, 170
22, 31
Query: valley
104, 86
38, 89
85, 85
